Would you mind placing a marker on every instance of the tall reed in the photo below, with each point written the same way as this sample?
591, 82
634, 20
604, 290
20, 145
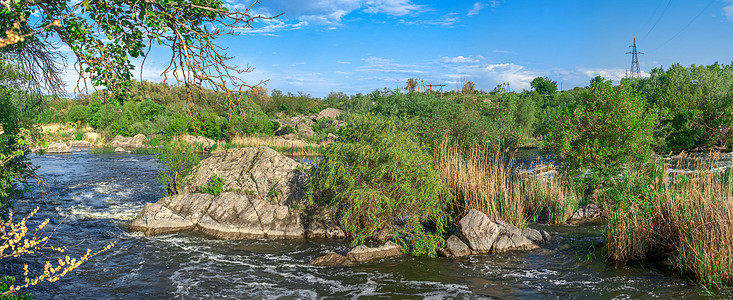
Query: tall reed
287, 147
688, 217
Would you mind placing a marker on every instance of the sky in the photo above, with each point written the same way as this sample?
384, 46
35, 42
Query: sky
358, 46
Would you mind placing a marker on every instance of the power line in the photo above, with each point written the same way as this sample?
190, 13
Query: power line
683, 28
657, 22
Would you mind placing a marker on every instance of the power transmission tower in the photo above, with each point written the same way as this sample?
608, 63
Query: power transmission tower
635, 72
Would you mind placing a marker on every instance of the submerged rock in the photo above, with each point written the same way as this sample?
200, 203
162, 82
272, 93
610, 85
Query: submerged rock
359, 254
477, 234
263, 197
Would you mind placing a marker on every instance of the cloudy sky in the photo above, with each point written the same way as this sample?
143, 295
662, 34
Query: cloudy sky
319, 46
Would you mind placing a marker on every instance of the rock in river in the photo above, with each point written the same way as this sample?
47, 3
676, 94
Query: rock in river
263, 197
477, 234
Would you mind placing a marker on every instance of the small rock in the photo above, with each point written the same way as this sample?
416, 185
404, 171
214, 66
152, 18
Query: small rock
330, 259
120, 149
454, 247
511, 238
589, 211
363, 253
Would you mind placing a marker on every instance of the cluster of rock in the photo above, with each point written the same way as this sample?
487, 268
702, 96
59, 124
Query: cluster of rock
302, 124
477, 234
119, 143
359, 254
585, 213
263, 197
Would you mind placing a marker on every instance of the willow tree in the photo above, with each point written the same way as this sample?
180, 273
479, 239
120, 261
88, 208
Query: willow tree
104, 37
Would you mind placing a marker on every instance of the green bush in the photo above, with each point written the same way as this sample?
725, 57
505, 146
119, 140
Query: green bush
78, 113
609, 127
177, 160
383, 185
214, 186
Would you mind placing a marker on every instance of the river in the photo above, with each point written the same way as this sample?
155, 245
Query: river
93, 198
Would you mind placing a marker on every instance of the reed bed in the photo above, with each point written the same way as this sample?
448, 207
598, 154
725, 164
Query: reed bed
686, 217
287, 147
483, 180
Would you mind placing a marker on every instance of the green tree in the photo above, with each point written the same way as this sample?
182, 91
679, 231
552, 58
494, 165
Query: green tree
544, 85
609, 127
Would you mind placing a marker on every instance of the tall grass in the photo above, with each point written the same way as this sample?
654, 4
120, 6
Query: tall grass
287, 147
483, 180
686, 216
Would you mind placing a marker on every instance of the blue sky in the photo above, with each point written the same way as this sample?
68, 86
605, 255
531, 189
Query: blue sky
319, 46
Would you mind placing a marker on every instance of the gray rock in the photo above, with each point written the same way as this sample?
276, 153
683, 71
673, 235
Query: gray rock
329, 113
204, 142
58, 148
536, 236
120, 149
158, 219
477, 231
511, 238
138, 141
80, 144
363, 253
331, 138
589, 211
304, 130
454, 247
263, 193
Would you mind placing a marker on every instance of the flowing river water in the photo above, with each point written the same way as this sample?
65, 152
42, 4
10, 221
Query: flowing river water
92, 198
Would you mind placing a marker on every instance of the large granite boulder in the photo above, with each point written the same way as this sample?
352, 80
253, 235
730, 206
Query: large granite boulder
262, 197
477, 231
477, 234
80, 144
58, 148
204, 142
329, 113
138, 141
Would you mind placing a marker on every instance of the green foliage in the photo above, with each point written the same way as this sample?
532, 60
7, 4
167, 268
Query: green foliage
5, 283
694, 105
177, 160
14, 165
384, 186
544, 86
214, 186
121, 126
78, 114
609, 127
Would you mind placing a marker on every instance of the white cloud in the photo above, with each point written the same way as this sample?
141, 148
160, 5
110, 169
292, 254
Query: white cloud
517, 76
393, 7
328, 13
446, 21
612, 74
458, 60
475, 9
728, 10
383, 65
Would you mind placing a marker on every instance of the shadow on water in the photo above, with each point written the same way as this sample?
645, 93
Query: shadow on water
96, 196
